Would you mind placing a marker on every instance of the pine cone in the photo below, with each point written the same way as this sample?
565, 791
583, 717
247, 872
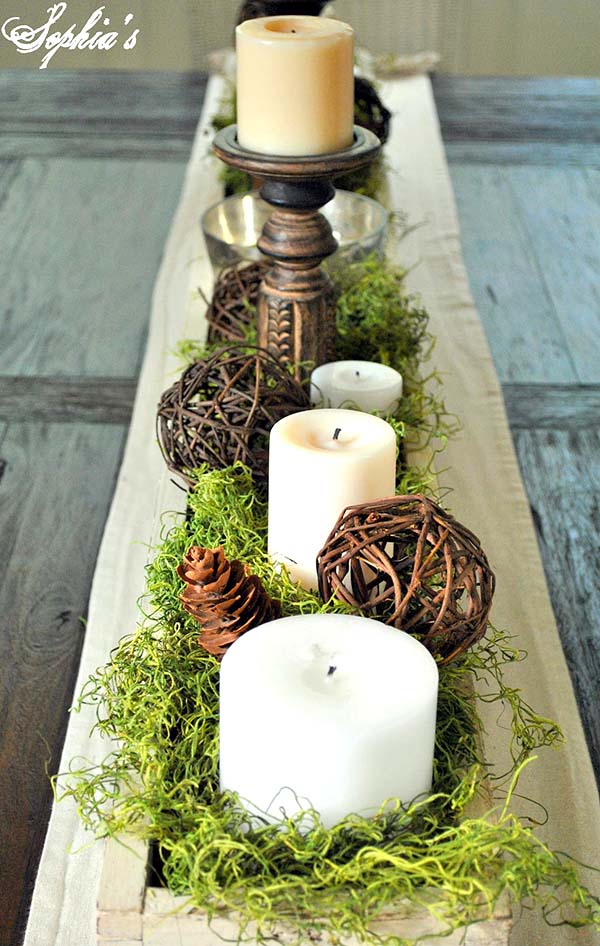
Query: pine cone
223, 597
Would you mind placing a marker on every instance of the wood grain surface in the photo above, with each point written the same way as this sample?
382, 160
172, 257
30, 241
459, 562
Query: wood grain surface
82, 242
562, 472
117, 115
90, 169
540, 121
553, 406
55, 494
93, 400
508, 282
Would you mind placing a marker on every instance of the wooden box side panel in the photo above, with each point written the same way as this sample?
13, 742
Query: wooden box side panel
130, 914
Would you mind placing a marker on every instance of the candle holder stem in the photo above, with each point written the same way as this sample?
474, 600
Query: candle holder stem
296, 305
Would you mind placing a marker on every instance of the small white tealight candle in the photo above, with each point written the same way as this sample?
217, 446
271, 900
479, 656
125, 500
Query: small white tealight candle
295, 85
326, 711
367, 385
320, 462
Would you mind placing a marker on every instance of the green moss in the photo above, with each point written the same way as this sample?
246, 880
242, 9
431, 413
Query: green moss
378, 317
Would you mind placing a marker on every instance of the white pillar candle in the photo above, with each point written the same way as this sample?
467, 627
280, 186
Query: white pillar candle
295, 85
326, 711
321, 461
365, 384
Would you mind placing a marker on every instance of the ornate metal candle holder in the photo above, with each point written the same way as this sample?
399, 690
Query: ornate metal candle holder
296, 317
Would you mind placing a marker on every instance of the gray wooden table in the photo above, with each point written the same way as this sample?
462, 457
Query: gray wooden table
90, 170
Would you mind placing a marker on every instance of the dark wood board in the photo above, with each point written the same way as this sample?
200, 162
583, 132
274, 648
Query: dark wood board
93, 400
99, 114
552, 406
55, 494
525, 109
562, 471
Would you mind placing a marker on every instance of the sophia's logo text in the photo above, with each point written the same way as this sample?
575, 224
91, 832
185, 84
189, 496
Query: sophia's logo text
30, 39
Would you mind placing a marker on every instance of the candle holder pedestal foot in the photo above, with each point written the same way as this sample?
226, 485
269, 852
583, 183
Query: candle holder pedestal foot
296, 311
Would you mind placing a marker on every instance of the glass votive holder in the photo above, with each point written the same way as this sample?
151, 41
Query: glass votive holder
232, 227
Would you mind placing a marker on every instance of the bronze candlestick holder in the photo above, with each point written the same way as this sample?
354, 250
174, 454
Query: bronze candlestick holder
296, 314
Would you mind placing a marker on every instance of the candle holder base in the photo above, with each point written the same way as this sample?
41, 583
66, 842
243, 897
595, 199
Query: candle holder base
296, 313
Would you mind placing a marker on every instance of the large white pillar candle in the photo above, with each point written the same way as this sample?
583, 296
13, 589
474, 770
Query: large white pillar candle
321, 461
295, 85
326, 711
365, 384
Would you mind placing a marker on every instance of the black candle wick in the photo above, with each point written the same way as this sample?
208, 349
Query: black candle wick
337, 432
331, 671
358, 374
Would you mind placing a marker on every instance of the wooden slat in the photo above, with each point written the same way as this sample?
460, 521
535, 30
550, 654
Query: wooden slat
561, 470
483, 108
97, 114
507, 280
55, 495
560, 212
81, 241
541, 154
93, 400
552, 406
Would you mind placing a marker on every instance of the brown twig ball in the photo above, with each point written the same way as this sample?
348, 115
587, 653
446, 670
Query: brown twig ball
409, 563
222, 409
231, 313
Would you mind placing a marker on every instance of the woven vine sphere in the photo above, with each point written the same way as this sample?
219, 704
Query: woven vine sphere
222, 409
407, 562
231, 310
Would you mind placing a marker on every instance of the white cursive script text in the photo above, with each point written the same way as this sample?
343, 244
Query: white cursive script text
29, 39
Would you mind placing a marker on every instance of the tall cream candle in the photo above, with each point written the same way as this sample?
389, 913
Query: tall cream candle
321, 461
295, 85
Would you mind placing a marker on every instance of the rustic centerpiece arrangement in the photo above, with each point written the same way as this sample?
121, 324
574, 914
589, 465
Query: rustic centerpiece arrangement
297, 748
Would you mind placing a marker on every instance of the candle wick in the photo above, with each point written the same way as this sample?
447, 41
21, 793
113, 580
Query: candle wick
337, 432
358, 374
331, 671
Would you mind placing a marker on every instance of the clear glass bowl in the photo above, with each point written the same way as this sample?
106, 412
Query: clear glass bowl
232, 227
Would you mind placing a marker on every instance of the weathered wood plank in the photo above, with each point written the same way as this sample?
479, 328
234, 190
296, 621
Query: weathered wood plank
81, 241
560, 212
54, 499
507, 280
97, 113
91, 400
483, 108
538, 153
561, 470
117, 146
552, 406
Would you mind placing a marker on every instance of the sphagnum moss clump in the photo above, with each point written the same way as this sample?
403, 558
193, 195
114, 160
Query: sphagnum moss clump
157, 700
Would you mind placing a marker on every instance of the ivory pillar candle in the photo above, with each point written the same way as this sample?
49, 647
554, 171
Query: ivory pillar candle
368, 385
328, 711
295, 85
321, 461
